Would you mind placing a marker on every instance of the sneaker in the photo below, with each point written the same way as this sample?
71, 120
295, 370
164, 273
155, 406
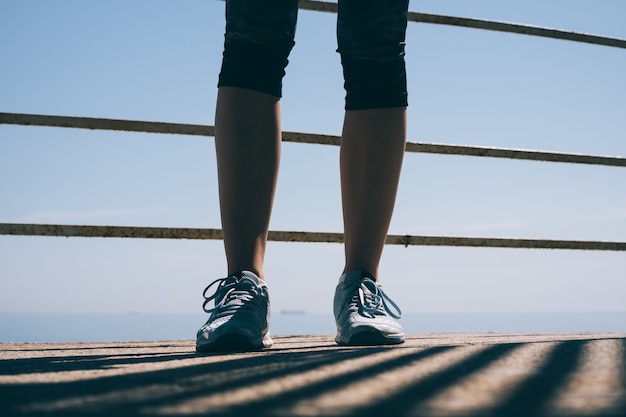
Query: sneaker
364, 314
240, 314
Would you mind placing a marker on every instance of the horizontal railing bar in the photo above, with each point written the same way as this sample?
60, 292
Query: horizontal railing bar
523, 154
298, 137
497, 26
93, 123
61, 230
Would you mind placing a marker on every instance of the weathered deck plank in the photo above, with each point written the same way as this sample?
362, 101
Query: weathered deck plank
430, 375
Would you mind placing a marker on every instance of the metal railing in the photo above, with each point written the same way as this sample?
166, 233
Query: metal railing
322, 6
297, 236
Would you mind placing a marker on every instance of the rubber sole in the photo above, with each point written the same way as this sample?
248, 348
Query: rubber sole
233, 342
371, 338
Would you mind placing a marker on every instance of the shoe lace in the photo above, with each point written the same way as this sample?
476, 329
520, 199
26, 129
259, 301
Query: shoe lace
372, 301
231, 295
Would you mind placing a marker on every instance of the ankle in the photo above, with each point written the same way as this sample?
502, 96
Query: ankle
354, 274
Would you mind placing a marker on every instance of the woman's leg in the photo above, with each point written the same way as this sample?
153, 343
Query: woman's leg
259, 37
371, 36
247, 142
371, 43
372, 148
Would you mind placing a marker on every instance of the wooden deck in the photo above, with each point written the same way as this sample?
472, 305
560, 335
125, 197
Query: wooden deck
430, 375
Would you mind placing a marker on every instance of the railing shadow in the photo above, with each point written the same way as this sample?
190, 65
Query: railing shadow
285, 381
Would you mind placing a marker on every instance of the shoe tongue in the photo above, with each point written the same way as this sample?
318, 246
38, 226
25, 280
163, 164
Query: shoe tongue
251, 276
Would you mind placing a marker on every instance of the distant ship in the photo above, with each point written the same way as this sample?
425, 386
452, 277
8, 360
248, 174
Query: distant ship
293, 312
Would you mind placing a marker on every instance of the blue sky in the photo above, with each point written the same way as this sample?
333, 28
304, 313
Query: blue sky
159, 60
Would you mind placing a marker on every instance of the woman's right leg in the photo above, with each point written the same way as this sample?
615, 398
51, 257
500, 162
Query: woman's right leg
259, 37
247, 142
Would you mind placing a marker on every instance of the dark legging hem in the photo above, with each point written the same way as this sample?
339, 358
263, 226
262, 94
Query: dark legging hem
255, 67
371, 84
376, 103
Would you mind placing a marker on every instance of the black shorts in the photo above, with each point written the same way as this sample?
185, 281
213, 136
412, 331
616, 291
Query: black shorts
370, 36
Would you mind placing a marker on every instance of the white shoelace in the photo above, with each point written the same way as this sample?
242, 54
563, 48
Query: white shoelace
232, 295
373, 301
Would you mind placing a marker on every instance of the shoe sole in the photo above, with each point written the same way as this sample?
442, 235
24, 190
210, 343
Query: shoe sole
371, 338
234, 342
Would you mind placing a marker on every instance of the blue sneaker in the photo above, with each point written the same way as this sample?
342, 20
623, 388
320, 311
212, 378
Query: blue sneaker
364, 314
239, 319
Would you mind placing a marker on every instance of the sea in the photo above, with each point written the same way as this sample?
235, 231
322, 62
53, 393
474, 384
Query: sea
91, 327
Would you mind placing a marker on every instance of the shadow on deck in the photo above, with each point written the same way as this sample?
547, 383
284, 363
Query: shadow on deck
430, 375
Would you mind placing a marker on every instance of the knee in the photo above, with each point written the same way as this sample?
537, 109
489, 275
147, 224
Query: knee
371, 39
372, 84
259, 37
